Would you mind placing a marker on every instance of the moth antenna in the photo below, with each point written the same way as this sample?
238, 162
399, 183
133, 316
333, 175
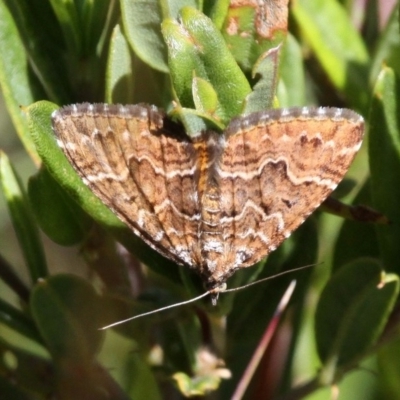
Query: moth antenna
155, 311
268, 278
212, 293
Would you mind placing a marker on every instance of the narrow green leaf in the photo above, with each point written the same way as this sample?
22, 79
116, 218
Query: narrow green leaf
95, 20
172, 8
216, 10
388, 364
183, 60
184, 341
252, 28
59, 217
216, 63
15, 319
356, 239
291, 87
68, 18
82, 24
119, 75
266, 69
15, 81
9, 277
23, 221
339, 48
142, 21
205, 98
142, 383
68, 315
388, 49
351, 314
384, 159
195, 121
123, 67
44, 51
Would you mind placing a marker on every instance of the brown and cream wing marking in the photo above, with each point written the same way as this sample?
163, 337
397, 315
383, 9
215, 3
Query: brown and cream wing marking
222, 201
277, 167
144, 173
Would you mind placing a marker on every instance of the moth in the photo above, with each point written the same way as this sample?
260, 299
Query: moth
217, 202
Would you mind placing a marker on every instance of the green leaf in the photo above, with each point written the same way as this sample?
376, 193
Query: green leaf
216, 10
184, 339
59, 217
68, 315
68, 18
23, 221
262, 96
205, 98
196, 48
351, 314
10, 277
142, 384
220, 67
119, 76
356, 239
43, 49
123, 66
384, 159
82, 24
142, 20
291, 87
388, 48
172, 8
86, 27
15, 80
339, 48
388, 362
195, 121
252, 28
96, 20
183, 60
16, 320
